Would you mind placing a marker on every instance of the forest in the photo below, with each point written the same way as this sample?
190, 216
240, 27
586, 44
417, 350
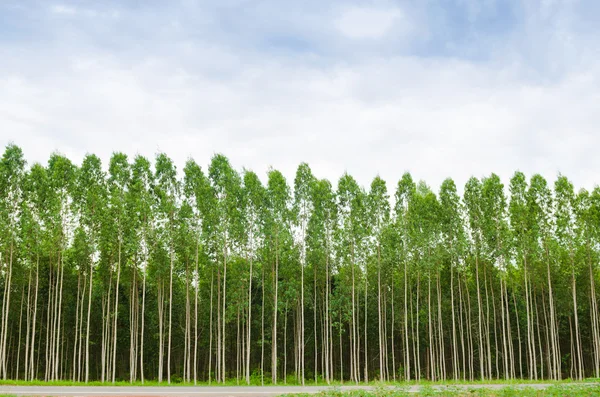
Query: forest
136, 270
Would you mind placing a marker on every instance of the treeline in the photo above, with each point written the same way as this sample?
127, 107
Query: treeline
146, 272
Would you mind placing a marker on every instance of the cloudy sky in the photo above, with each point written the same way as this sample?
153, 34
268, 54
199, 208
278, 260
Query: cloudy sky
435, 87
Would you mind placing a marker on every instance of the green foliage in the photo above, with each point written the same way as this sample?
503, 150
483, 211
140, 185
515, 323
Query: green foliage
492, 281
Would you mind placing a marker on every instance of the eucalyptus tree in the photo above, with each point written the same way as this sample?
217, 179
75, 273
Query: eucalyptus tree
425, 235
186, 248
61, 173
520, 220
390, 259
32, 228
379, 215
278, 204
328, 209
254, 196
118, 183
320, 231
12, 175
566, 234
353, 226
226, 186
472, 198
540, 208
166, 190
141, 214
585, 229
198, 193
404, 200
303, 183
90, 199
82, 248
591, 220
454, 238
496, 239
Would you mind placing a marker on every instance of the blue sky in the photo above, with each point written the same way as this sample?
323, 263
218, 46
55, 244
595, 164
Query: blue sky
436, 87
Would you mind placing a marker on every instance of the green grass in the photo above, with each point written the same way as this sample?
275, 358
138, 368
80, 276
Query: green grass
579, 390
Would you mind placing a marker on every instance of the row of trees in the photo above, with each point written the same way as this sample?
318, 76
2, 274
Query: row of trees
139, 271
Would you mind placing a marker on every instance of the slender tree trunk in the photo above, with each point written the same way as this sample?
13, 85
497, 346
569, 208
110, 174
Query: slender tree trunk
274, 336
249, 325
74, 377
224, 299
366, 376
302, 323
354, 371
479, 320
28, 323
262, 337
518, 338
32, 368
114, 355
554, 346
6, 309
20, 323
455, 365
87, 332
406, 347
170, 312
315, 318
285, 345
379, 321
210, 327
143, 325
594, 315
197, 288
393, 326
578, 355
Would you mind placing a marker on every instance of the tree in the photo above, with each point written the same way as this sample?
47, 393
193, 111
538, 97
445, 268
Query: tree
489, 285
253, 207
139, 205
472, 198
12, 173
379, 207
302, 211
198, 194
226, 185
453, 235
166, 191
405, 193
278, 199
352, 222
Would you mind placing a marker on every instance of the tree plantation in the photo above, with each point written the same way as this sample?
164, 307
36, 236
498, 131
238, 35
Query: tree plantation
134, 270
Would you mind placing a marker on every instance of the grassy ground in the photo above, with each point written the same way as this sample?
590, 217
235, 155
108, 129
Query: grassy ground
579, 390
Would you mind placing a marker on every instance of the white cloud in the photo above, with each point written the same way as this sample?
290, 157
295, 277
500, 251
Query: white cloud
63, 9
383, 116
192, 96
368, 22
69, 11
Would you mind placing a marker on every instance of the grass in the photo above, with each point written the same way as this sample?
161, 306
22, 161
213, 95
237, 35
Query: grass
578, 390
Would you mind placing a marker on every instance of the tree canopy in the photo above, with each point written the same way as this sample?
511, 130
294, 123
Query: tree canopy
135, 270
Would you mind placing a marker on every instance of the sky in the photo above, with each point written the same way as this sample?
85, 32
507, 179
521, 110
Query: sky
439, 88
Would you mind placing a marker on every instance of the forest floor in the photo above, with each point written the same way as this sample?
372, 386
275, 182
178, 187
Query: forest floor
523, 389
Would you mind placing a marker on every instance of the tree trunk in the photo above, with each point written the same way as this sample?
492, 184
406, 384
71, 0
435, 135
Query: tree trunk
114, 356
274, 336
